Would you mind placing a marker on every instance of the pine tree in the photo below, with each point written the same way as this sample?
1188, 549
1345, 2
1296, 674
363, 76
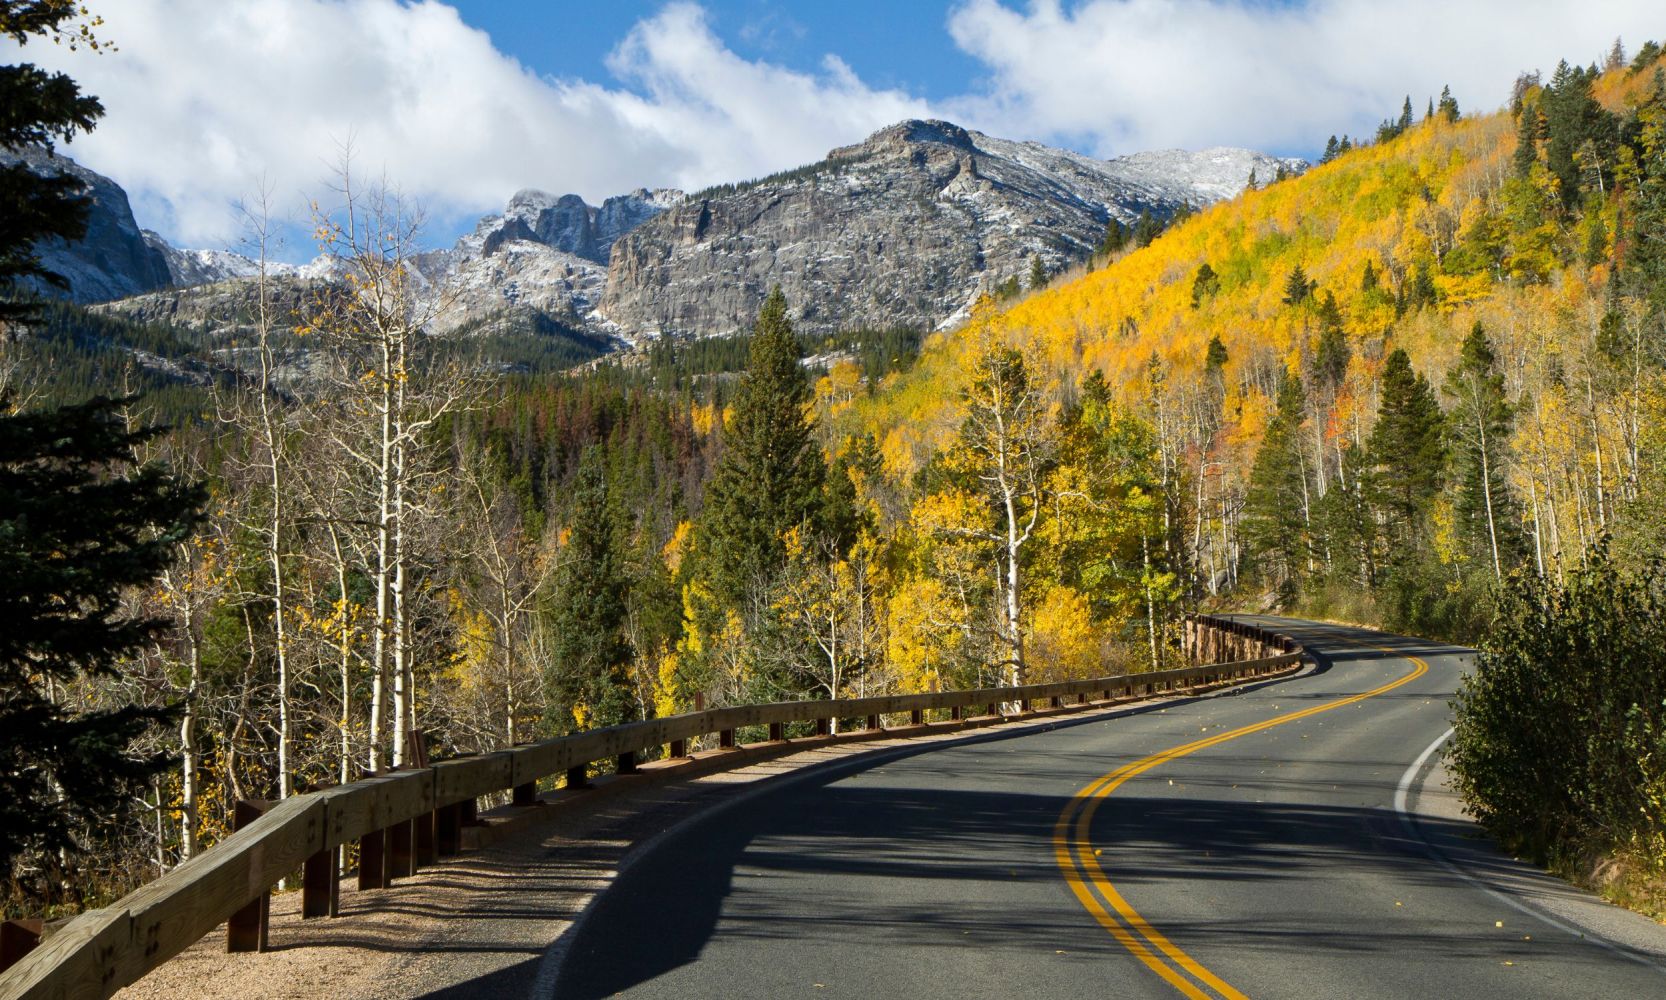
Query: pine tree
1448, 108
1405, 122
80, 525
1275, 508
1528, 132
1204, 284
1297, 288
1479, 431
769, 478
1332, 150
589, 661
1422, 292
1407, 452
1038, 273
39, 107
1251, 184
1116, 237
1147, 228
1369, 280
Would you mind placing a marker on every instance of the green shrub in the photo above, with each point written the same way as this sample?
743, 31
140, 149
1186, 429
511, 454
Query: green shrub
1560, 744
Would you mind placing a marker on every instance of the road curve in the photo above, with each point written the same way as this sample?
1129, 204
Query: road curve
1243, 844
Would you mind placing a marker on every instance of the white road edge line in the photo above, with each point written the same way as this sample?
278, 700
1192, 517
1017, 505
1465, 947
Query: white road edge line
1402, 793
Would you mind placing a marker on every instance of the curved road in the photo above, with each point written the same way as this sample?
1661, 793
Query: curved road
1243, 844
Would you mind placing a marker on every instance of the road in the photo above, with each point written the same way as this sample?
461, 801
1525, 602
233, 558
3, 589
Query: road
1241, 844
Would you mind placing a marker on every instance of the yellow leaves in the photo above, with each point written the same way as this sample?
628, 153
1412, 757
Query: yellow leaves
676, 547
1064, 644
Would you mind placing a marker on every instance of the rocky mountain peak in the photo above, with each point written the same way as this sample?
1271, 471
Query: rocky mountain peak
913, 132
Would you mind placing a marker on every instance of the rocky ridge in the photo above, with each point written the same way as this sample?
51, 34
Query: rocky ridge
904, 229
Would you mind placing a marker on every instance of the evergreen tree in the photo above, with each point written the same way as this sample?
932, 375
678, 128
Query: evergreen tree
1332, 150
1479, 431
1405, 121
1147, 228
1422, 292
1577, 128
1644, 271
79, 527
1528, 132
1251, 183
1369, 280
1344, 146
1331, 355
1204, 284
39, 107
1038, 273
1275, 508
1297, 287
769, 478
1116, 237
1407, 453
1448, 108
589, 661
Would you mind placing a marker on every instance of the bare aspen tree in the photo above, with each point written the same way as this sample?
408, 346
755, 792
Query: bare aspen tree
389, 380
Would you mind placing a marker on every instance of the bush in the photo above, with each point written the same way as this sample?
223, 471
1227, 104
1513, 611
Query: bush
1560, 744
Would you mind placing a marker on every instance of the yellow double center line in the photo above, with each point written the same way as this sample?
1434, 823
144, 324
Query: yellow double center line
1076, 860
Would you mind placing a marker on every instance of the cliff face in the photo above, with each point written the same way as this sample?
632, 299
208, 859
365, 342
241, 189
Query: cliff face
115, 259
905, 229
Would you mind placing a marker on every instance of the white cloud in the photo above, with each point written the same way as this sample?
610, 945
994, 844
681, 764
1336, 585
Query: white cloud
1125, 75
207, 97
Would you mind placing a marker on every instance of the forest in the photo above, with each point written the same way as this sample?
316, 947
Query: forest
1387, 390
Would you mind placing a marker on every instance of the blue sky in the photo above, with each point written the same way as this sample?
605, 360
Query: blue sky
459, 104
889, 44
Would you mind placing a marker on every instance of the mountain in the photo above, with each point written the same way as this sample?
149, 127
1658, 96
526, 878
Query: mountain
115, 259
904, 229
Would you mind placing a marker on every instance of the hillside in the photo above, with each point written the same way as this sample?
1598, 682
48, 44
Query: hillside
1407, 243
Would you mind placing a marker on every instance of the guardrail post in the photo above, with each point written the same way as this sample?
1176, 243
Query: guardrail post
956, 713
401, 853
822, 727
246, 930
426, 852
524, 794
18, 938
873, 722
775, 733
577, 777
626, 763
726, 738
373, 860
321, 884
993, 709
679, 748
917, 718
448, 829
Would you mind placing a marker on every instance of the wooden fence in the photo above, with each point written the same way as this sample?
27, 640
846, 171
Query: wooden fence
408, 818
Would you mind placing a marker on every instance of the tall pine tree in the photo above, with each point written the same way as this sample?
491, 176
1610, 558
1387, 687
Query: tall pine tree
1275, 508
769, 477
587, 681
1407, 453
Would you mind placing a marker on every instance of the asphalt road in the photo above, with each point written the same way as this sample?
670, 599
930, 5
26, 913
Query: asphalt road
1242, 844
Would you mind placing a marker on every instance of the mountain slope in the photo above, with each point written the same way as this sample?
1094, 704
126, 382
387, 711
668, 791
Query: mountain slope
903, 229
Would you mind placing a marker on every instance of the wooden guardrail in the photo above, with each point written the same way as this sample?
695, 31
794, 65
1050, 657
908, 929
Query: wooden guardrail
408, 817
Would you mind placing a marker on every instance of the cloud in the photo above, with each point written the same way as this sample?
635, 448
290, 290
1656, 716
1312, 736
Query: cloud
1118, 76
205, 98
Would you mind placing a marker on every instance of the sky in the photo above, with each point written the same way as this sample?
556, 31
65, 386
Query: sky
460, 104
